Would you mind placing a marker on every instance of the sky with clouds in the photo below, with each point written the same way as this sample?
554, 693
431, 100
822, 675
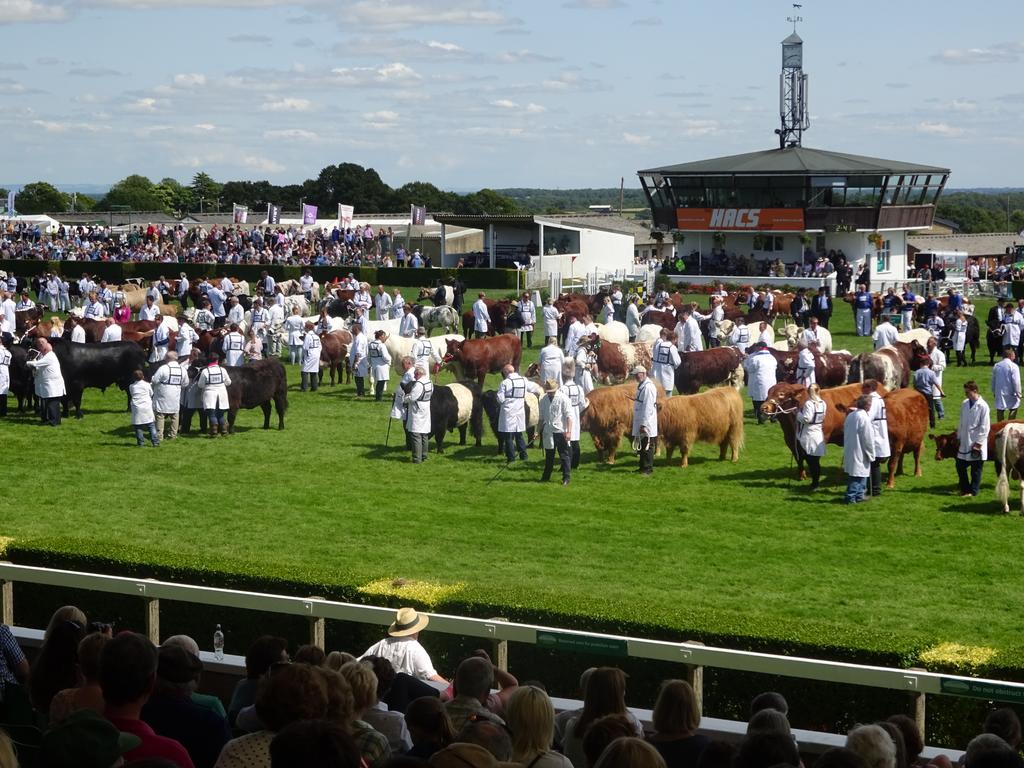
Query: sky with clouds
474, 93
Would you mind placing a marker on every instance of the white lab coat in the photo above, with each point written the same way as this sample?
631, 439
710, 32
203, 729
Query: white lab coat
879, 426
187, 336
293, 326
167, 383
417, 419
572, 338
665, 361
973, 428
357, 355
527, 315
311, 349
645, 411
5, 371
481, 317
48, 381
78, 335
551, 361
422, 352
111, 333
408, 326
938, 363
579, 403
761, 371
810, 435
1011, 330
236, 314
234, 343
213, 381
140, 394
960, 335
632, 319
398, 403
556, 416
689, 337
1006, 384
161, 343
550, 314
148, 312
379, 360
884, 335
583, 376
740, 337
382, 301
805, 367
397, 307
512, 396
858, 444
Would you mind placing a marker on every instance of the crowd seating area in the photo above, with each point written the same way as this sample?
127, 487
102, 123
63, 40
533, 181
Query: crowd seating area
95, 697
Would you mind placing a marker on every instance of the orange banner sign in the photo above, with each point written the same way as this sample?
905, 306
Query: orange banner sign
740, 219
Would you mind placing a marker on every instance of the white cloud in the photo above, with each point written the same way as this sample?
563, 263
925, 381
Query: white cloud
535, 109
262, 164
1000, 53
397, 71
505, 104
291, 133
525, 55
448, 47
382, 116
635, 139
30, 11
50, 126
940, 129
389, 73
161, 4
373, 13
698, 127
962, 105
205, 127
288, 104
144, 105
648, 21
189, 80
595, 5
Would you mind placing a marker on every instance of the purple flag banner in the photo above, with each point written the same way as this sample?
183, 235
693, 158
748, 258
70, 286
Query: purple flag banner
273, 214
308, 214
418, 215
345, 213
239, 213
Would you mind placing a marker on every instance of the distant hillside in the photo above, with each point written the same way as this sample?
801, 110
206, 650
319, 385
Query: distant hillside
572, 200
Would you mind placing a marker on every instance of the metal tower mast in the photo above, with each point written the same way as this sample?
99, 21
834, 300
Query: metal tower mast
792, 89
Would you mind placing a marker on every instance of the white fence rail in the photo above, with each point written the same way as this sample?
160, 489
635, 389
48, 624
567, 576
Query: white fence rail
695, 656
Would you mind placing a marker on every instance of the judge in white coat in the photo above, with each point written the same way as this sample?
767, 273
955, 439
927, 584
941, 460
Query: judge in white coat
556, 416
48, 383
632, 318
5, 378
481, 316
740, 336
398, 402
810, 435
311, 349
573, 334
579, 403
417, 418
512, 416
804, 365
885, 333
1006, 385
645, 419
761, 370
880, 429
77, 331
688, 337
665, 358
233, 345
938, 366
422, 350
161, 340
358, 359
550, 314
167, 383
585, 361
551, 360
379, 360
187, 336
407, 328
858, 450
111, 331
140, 399
972, 432
382, 303
213, 382
294, 325
527, 317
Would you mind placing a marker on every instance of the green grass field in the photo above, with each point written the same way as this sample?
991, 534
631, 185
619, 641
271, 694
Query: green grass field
718, 550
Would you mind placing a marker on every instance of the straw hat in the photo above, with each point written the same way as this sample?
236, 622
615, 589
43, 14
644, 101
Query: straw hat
407, 622
550, 385
637, 369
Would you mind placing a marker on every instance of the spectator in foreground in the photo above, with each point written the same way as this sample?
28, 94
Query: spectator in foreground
630, 752
912, 741
429, 726
87, 694
1005, 724
473, 679
314, 744
840, 757
127, 676
531, 718
769, 721
874, 745
603, 732
83, 740
208, 700
897, 741
56, 666
764, 750
676, 718
373, 746
388, 722
605, 695
987, 748
264, 652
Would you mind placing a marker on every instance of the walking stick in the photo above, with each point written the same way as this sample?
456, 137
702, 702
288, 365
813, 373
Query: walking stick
388, 435
504, 466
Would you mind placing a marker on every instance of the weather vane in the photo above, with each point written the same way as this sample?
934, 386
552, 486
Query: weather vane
795, 17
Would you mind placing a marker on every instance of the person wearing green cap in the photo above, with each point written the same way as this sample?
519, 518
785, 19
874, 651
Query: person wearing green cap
83, 739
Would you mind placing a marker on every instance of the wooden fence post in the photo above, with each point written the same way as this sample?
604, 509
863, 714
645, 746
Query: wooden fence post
7, 602
317, 627
695, 677
153, 619
500, 650
919, 707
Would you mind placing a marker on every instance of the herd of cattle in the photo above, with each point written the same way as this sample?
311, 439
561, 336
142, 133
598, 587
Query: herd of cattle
713, 416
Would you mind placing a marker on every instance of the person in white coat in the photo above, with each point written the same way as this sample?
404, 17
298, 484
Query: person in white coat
358, 360
1006, 385
645, 420
233, 346
186, 338
579, 403
972, 432
379, 360
551, 360
550, 314
556, 417
938, 358
48, 382
804, 364
167, 382
5, 378
422, 350
880, 429
858, 450
311, 349
161, 340
398, 402
236, 313
77, 331
481, 316
527, 317
688, 337
512, 414
382, 303
885, 333
761, 370
213, 383
149, 311
632, 318
140, 399
810, 435
417, 418
573, 334
397, 305
1010, 327
294, 325
665, 359
111, 331
960, 338
409, 325
740, 336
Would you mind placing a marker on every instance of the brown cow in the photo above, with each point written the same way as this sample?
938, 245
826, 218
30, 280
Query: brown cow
615, 361
659, 317
907, 415
475, 358
609, 416
709, 368
715, 417
888, 365
334, 353
784, 400
830, 369
497, 320
26, 318
947, 446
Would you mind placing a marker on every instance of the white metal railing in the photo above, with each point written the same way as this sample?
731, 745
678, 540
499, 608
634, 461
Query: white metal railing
694, 655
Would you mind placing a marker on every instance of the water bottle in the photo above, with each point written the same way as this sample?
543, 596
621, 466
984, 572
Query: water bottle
218, 644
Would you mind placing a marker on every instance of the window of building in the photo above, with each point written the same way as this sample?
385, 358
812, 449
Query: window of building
882, 258
769, 243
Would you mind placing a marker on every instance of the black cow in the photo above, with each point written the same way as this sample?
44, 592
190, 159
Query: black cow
96, 366
972, 338
456, 405
27, 318
21, 377
255, 384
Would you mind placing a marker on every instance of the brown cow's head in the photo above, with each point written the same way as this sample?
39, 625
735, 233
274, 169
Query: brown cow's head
945, 446
454, 347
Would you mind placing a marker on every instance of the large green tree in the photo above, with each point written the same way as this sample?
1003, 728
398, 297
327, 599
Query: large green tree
138, 194
41, 197
181, 198
207, 192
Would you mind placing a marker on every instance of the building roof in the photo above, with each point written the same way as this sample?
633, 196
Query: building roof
479, 221
640, 230
794, 161
982, 244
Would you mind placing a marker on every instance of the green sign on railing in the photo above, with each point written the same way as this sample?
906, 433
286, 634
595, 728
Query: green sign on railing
981, 689
563, 641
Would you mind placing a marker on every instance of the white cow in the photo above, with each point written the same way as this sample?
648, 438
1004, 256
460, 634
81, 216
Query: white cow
793, 337
614, 331
648, 334
1009, 441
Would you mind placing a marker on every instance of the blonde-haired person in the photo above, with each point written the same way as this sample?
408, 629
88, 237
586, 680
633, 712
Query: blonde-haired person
8, 759
373, 745
676, 718
810, 436
531, 719
630, 752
